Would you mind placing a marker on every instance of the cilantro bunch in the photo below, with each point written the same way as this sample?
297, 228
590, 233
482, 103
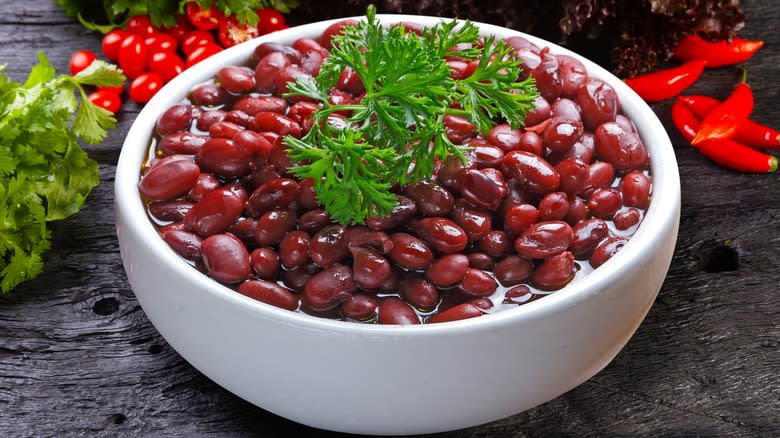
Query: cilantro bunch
44, 174
396, 133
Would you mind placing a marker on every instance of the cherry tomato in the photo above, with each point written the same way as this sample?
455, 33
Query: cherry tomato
204, 19
111, 43
270, 20
232, 33
145, 86
133, 56
160, 42
195, 39
118, 90
181, 29
201, 53
106, 100
81, 60
166, 64
141, 25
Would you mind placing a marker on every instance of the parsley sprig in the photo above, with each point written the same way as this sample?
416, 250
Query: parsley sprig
44, 173
395, 134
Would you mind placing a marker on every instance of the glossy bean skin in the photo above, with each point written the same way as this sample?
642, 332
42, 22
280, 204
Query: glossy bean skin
627, 218
578, 211
359, 307
519, 218
488, 156
480, 260
456, 313
547, 76
574, 174
175, 118
273, 225
561, 134
209, 94
182, 143
554, 206
623, 149
479, 189
393, 310
253, 144
606, 250
532, 171
330, 245
205, 184
275, 122
313, 221
635, 188
368, 238
237, 117
442, 234
584, 148
566, 109
217, 211
269, 293
236, 79
224, 129
475, 223
221, 156
169, 180
573, 75
267, 48
513, 270
588, 234
207, 118
186, 244
600, 175
448, 270
251, 105
419, 292
496, 243
539, 113
604, 203
410, 252
330, 287
531, 142
401, 213
277, 193
294, 249
267, 69
431, 198
599, 103
370, 269
296, 279
555, 272
225, 258
504, 137
544, 239
265, 263
478, 283
170, 211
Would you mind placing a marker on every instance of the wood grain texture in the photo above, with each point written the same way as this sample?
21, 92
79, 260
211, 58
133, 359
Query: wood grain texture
78, 355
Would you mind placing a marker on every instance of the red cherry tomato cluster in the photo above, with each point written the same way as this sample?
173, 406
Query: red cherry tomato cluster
151, 57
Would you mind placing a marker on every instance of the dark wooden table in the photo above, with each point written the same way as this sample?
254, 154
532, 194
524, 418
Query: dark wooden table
78, 355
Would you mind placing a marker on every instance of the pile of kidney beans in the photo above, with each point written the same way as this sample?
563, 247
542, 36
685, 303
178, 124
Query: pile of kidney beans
532, 209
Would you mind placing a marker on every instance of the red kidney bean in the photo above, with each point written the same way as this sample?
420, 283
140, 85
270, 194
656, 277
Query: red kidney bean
265, 263
495, 243
573, 75
185, 243
531, 142
393, 310
307, 198
410, 252
239, 118
175, 118
478, 283
176, 226
209, 94
479, 189
217, 211
583, 149
544, 239
297, 278
516, 194
245, 229
182, 143
448, 270
208, 118
264, 49
253, 144
512, 270
600, 175
252, 105
540, 113
307, 45
574, 174
599, 103
497, 177
635, 187
330, 245
330, 287
236, 79
267, 69
532, 171
359, 307
350, 82
604, 203
606, 250
334, 29
482, 303
370, 269
366, 237
277, 193
588, 234
447, 175
566, 109
476, 224
627, 218
519, 218
626, 123
456, 313
269, 293
431, 198
288, 75
548, 80
555, 272
623, 149
459, 70
504, 137
400, 214
260, 176
275, 122
554, 206
222, 157
561, 134
519, 295
577, 211
442, 234
225, 258
224, 129
300, 111
169, 180
294, 249
392, 282
419, 292
313, 221
279, 158
273, 225
480, 260
170, 211
488, 156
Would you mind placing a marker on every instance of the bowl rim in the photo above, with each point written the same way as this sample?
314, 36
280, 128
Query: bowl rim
661, 214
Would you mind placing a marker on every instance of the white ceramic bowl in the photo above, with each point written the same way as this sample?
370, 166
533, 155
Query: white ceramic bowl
395, 379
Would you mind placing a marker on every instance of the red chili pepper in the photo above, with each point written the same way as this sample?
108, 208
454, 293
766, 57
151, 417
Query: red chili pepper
727, 153
667, 83
717, 54
721, 123
749, 132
